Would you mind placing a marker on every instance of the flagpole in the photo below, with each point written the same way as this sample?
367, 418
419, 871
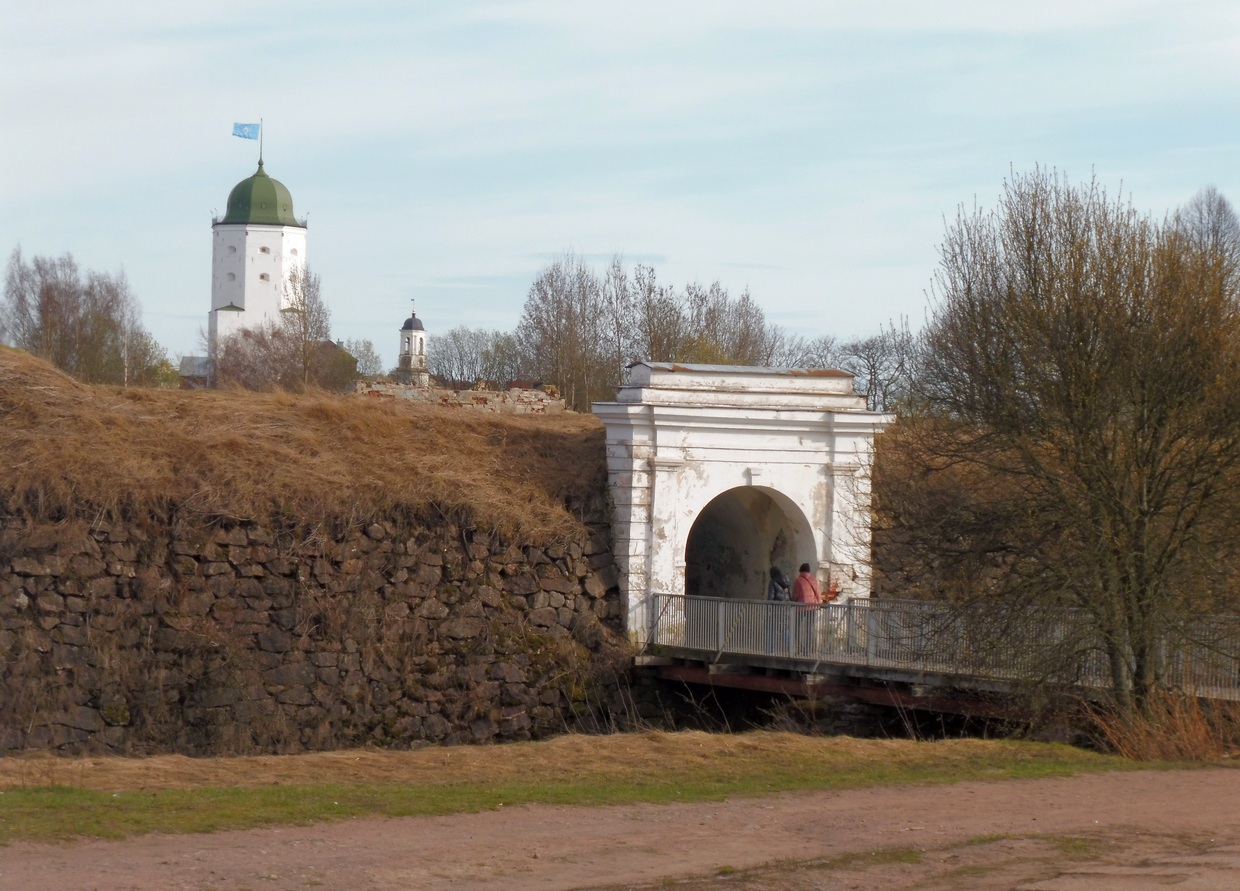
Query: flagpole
260, 142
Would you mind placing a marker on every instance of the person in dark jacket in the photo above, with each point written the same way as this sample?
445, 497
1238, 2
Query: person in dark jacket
779, 634
778, 589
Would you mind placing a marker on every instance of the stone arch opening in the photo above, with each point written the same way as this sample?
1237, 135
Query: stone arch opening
738, 536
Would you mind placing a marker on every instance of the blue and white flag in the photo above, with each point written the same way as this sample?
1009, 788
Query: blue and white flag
246, 131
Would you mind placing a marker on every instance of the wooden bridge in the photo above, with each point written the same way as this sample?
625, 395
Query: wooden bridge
914, 654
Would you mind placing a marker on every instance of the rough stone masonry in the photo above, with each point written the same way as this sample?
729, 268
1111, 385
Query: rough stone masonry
230, 637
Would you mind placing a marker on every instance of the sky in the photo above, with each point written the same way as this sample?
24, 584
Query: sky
811, 151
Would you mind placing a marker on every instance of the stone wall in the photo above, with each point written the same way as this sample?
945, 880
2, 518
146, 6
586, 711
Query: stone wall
240, 637
516, 400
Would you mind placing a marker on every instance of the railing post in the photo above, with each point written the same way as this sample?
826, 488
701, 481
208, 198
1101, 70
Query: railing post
652, 628
850, 628
659, 605
871, 635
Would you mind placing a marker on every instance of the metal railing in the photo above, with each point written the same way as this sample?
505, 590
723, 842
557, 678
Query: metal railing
914, 637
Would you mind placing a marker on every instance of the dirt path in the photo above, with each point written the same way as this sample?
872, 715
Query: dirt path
1131, 831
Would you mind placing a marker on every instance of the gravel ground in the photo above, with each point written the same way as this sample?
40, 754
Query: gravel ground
1124, 830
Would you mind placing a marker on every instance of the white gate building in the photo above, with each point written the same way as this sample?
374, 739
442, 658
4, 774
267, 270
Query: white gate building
718, 473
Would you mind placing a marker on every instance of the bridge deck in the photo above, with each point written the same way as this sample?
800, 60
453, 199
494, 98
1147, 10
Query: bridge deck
925, 643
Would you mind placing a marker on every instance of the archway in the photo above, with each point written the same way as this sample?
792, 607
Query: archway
738, 536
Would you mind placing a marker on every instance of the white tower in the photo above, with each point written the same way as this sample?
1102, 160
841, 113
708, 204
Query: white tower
257, 244
411, 366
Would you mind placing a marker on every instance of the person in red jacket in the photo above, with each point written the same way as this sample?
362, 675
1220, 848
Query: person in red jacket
805, 592
805, 588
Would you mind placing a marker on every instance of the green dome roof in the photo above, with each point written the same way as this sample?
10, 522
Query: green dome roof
261, 199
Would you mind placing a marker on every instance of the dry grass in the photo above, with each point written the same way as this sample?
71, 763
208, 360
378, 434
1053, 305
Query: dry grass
69, 448
47, 798
1171, 727
617, 759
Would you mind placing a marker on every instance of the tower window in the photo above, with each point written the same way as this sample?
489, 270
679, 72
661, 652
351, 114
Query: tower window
232, 277
293, 252
232, 249
264, 250
264, 277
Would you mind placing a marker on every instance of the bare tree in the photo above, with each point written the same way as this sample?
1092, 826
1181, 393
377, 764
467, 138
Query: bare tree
503, 361
660, 320
89, 326
1210, 224
562, 332
306, 326
793, 351
582, 330
252, 358
618, 328
750, 339
882, 365
788, 350
725, 330
1080, 399
369, 362
703, 324
456, 356
292, 353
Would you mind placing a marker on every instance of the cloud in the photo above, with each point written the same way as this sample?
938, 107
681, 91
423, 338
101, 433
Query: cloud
807, 149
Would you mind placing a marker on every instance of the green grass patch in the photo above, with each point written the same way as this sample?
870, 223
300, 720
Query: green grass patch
1075, 846
990, 838
884, 857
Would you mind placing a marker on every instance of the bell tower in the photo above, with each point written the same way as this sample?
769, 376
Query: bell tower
411, 366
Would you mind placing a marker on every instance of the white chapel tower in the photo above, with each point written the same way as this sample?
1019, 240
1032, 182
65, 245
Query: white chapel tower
411, 362
257, 244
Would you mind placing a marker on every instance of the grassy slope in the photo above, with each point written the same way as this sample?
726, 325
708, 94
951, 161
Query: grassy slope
71, 448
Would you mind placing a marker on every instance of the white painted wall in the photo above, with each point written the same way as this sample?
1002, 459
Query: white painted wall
242, 254
680, 436
413, 349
